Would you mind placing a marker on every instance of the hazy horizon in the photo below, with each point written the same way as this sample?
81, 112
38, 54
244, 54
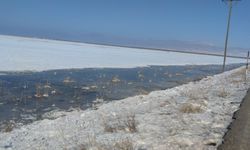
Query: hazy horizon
128, 23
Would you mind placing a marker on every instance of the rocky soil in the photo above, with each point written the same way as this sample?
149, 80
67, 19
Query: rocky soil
191, 116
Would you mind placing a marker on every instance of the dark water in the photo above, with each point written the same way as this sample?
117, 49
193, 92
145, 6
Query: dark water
78, 88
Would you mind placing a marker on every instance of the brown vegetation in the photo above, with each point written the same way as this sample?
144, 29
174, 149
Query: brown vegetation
191, 108
127, 124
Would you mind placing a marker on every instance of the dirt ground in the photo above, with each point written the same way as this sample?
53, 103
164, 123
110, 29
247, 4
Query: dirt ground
238, 136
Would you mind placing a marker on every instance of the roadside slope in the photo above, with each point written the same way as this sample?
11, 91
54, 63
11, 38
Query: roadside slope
191, 116
238, 137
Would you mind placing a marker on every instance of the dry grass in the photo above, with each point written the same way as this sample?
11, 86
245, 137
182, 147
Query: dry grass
83, 147
119, 144
142, 92
241, 75
196, 100
127, 124
223, 93
91, 144
241, 72
237, 81
130, 124
164, 103
125, 144
9, 126
195, 94
191, 108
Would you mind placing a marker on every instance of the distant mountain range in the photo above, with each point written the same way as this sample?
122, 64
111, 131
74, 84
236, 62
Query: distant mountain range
148, 43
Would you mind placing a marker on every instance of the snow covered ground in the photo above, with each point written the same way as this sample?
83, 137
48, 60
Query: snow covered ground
18, 53
191, 116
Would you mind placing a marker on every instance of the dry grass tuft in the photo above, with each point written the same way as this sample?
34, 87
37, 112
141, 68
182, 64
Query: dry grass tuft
130, 123
142, 92
9, 126
241, 72
241, 75
118, 144
164, 103
223, 93
82, 147
191, 108
125, 144
195, 94
127, 124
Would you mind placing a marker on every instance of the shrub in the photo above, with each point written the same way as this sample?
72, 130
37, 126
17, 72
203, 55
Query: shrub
130, 123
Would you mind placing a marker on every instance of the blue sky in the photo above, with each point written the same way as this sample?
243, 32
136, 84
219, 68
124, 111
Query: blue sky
201, 21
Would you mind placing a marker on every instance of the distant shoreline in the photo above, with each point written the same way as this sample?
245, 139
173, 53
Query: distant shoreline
133, 47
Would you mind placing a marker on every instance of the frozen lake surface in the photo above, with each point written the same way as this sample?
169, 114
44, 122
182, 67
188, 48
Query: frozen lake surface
19, 53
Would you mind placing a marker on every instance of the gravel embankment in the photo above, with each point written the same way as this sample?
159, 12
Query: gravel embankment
191, 116
238, 136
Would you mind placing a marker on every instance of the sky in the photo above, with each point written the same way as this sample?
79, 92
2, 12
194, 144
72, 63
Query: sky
201, 21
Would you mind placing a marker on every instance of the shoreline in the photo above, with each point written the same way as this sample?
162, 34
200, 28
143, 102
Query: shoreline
195, 52
33, 54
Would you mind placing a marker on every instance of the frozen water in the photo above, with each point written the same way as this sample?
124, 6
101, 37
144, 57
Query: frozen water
18, 53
